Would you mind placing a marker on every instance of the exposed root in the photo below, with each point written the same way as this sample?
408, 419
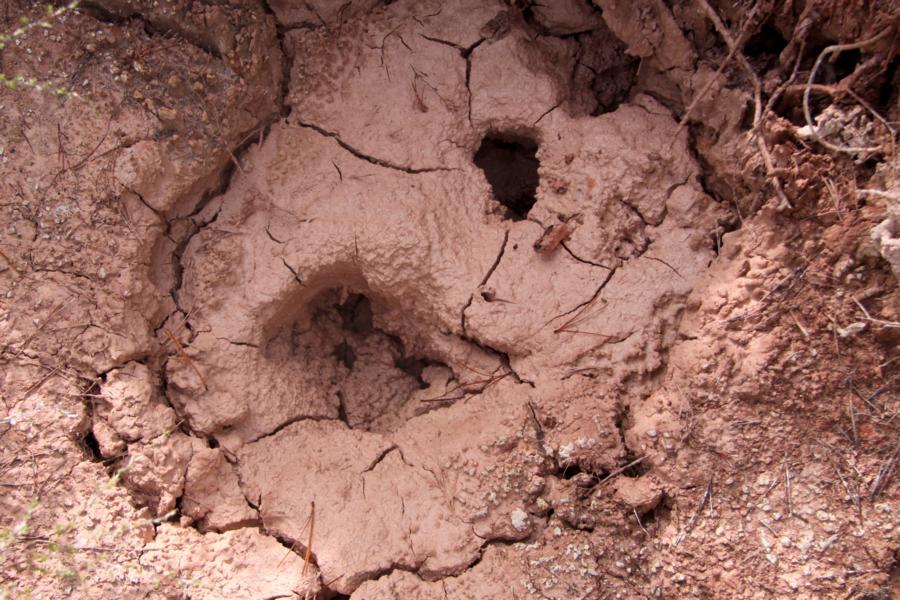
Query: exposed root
771, 171
814, 130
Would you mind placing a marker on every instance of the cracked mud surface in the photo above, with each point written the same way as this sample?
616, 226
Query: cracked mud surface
405, 217
448, 290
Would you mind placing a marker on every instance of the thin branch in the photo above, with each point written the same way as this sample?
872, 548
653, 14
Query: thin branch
622, 469
704, 500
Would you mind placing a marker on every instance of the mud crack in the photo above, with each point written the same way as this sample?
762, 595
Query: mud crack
484, 280
292, 270
381, 456
497, 260
466, 53
661, 261
106, 15
363, 156
580, 308
583, 260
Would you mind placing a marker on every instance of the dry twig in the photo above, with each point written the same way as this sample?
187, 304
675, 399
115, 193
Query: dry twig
312, 524
704, 500
787, 489
884, 474
184, 355
470, 387
641, 525
11, 264
868, 317
622, 469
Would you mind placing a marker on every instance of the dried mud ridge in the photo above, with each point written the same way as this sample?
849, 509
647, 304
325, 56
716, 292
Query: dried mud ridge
365, 313
420, 296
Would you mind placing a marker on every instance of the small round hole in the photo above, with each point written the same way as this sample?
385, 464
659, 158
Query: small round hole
510, 165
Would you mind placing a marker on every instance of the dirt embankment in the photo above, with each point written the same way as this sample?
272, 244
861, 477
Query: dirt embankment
451, 300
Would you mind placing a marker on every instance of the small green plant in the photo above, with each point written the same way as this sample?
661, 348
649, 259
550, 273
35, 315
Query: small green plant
27, 25
54, 553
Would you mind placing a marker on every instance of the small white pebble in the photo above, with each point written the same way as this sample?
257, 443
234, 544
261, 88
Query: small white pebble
519, 519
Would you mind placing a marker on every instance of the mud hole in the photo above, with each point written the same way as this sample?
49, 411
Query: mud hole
450, 300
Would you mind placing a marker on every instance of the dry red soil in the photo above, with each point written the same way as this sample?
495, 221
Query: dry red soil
462, 299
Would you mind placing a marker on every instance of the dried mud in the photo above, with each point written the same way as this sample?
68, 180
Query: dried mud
450, 300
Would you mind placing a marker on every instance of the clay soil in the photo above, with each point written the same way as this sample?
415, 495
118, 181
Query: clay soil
450, 299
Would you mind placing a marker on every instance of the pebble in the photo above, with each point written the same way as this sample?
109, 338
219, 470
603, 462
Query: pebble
519, 519
168, 114
824, 516
792, 581
825, 544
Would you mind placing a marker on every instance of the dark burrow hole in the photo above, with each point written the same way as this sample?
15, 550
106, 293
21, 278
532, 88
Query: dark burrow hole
717, 237
604, 73
832, 71
373, 379
765, 46
356, 314
656, 517
356, 317
89, 444
634, 470
344, 354
414, 367
510, 165
887, 95
790, 104
791, 107
584, 477
612, 87
91, 447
